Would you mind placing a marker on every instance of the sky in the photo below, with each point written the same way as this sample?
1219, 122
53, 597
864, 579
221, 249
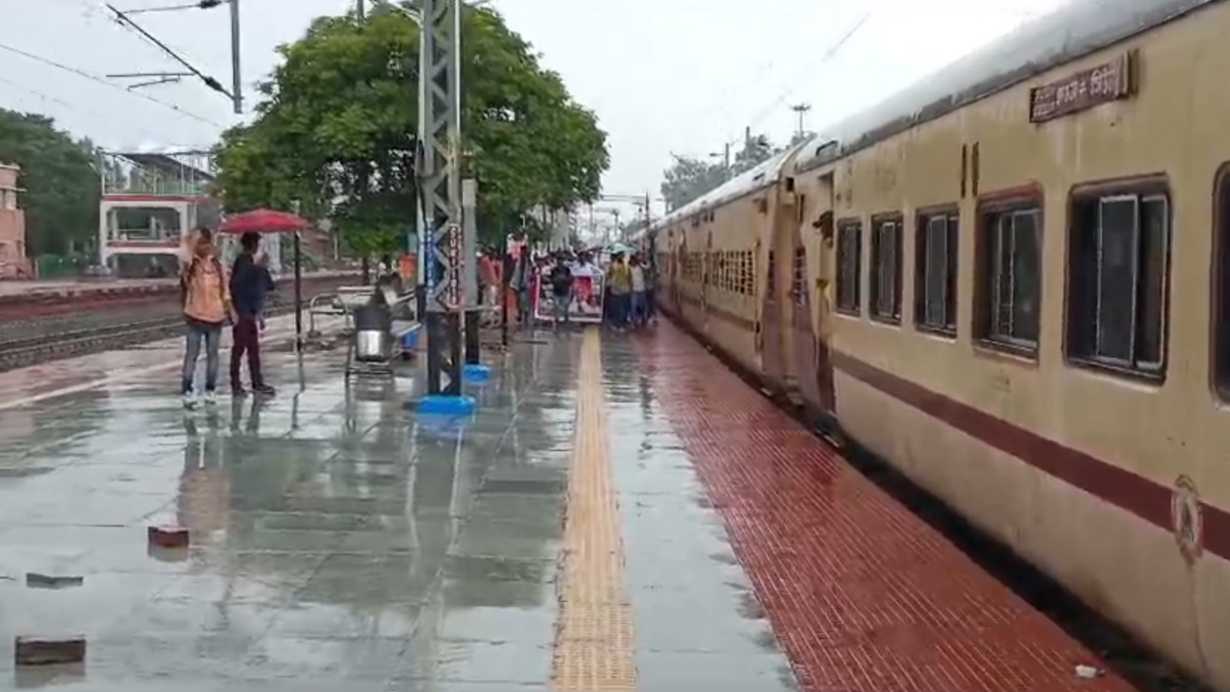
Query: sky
666, 77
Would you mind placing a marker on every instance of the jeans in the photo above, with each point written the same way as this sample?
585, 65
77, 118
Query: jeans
246, 339
639, 310
212, 335
562, 308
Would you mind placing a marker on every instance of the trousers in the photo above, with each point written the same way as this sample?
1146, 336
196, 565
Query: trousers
211, 334
246, 339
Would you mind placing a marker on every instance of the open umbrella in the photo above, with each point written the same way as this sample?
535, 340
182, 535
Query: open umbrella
270, 221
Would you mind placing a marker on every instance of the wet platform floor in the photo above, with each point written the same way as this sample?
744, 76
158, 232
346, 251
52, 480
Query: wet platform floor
341, 542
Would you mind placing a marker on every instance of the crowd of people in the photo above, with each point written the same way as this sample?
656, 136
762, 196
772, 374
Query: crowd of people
561, 287
565, 287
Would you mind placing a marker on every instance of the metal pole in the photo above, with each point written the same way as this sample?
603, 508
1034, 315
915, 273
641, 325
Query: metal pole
469, 204
236, 79
440, 179
506, 270
298, 296
362, 11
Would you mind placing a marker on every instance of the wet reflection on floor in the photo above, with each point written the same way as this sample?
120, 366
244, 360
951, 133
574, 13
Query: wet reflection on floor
680, 568
337, 540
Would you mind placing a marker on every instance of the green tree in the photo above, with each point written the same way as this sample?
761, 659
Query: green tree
756, 150
60, 179
337, 130
688, 178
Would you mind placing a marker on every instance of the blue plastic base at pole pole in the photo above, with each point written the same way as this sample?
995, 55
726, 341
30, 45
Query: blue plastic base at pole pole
476, 372
447, 405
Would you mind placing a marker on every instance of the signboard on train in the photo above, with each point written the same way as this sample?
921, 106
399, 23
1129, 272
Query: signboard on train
1103, 83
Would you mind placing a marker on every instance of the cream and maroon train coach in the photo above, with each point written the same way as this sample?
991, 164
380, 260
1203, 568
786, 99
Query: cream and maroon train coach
1013, 283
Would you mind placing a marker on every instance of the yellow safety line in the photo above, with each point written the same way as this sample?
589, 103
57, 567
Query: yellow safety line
594, 643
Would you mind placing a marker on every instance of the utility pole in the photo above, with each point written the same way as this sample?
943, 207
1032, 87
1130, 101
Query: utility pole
801, 109
362, 10
236, 79
443, 242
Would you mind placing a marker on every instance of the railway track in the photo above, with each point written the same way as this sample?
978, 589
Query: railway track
32, 349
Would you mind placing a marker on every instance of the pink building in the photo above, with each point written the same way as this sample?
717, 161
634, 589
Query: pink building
13, 261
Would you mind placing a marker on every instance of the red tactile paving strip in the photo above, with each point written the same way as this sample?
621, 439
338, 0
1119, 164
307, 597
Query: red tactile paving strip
862, 594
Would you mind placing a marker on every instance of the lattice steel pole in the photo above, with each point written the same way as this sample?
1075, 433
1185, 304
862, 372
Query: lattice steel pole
440, 180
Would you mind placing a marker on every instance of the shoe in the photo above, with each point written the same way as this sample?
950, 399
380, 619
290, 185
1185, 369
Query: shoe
264, 390
238, 391
189, 400
211, 399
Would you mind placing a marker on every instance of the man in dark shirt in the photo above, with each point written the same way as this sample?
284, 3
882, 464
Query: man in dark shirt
561, 290
250, 281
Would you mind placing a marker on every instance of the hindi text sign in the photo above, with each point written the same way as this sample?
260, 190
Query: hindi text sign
1085, 89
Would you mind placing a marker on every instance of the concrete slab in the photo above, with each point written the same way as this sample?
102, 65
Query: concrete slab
337, 541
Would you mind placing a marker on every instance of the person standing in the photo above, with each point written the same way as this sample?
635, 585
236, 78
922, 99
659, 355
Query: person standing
619, 283
561, 291
207, 306
250, 282
640, 313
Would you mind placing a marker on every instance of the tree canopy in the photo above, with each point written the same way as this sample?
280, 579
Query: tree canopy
689, 178
337, 128
60, 179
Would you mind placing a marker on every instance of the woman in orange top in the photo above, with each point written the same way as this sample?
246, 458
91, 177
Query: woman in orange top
207, 306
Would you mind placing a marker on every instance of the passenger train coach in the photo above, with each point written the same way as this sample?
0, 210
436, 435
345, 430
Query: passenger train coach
1012, 282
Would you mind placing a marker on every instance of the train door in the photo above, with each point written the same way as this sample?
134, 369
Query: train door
710, 269
809, 287
816, 231
772, 317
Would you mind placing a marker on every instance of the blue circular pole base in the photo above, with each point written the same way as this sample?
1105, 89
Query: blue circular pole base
476, 372
447, 405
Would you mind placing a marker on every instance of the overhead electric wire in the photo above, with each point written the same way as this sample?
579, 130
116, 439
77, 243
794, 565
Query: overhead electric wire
208, 80
117, 87
202, 5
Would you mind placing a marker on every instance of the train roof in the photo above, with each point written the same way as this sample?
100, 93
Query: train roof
1070, 32
760, 176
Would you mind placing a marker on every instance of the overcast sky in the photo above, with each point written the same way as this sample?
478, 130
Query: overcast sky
682, 76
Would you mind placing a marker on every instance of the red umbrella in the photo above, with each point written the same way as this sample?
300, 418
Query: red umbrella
270, 221
264, 221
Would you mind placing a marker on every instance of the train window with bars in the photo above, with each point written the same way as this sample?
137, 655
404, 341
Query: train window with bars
1119, 245
886, 270
849, 264
798, 284
935, 274
1010, 277
1221, 285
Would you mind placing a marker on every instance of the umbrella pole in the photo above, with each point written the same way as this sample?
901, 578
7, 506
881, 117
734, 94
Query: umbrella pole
298, 297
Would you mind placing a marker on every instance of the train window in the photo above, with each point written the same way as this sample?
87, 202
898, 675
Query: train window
935, 284
1011, 278
849, 262
1118, 257
1221, 286
886, 271
771, 278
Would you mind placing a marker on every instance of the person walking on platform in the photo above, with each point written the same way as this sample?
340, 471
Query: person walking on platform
639, 312
619, 282
250, 282
561, 290
207, 306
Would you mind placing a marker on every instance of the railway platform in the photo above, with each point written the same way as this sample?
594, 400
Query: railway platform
622, 513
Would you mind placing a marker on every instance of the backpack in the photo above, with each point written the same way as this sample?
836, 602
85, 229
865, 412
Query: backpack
185, 280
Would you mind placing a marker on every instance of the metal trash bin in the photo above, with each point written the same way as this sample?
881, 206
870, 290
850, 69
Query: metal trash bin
372, 340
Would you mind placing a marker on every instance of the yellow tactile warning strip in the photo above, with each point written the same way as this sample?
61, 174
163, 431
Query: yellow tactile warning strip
594, 640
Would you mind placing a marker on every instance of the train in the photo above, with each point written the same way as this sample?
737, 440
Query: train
1011, 282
